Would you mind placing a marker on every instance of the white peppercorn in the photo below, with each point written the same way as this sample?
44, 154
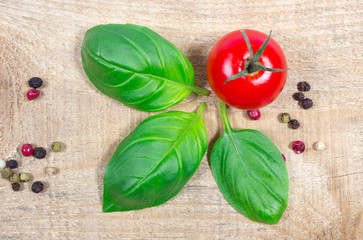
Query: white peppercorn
51, 170
2, 164
319, 146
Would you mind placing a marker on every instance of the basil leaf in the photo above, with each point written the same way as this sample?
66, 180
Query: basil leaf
250, 172
153, 163
137, 67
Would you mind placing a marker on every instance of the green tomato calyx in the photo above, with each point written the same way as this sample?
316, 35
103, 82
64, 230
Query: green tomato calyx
251, 64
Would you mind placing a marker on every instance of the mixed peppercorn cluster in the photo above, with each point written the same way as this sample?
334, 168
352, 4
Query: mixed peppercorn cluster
34, 83
305, 103
27, 150
8, 167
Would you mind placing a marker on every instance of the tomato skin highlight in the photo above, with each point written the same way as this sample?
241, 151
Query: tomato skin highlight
253, 91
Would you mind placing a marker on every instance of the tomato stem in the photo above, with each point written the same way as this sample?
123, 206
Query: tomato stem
223, 110
251, 64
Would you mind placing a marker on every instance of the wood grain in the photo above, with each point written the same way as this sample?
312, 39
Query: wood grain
323, 42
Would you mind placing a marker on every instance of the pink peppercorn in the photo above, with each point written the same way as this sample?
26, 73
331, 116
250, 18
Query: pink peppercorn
254, 114
27, 150
298, 147
32, 94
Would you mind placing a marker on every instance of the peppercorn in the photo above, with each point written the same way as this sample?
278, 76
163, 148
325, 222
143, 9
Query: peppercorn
27, 150
37, 187
294, 124
32, 94
298, 147
24, 177
39, 153
303, 86
16, 187
6, 173
254, 114
285, 118
12, 164
306, 103
51, 170
35, 82
14, 178
298, 96
2, 164
56, 147
319, 146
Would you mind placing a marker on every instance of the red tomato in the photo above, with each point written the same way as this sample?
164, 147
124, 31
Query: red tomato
228, 58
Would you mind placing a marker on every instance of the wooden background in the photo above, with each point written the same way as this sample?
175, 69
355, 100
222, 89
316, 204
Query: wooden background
323, 42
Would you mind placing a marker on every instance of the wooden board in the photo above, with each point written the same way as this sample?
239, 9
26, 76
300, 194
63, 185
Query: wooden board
323, 42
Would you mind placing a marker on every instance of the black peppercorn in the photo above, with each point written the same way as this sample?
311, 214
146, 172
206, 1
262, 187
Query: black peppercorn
16, 187
294, 124
298, 96
306, 103
12, 164
37, 187
35, 82
39, 153
303, 86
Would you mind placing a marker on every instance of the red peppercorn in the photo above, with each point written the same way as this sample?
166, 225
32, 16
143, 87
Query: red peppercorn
27, 150
298, 147
32, 94
283, 156
254, 114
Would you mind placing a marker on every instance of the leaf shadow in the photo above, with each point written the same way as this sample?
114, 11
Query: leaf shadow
216, 136
78, 59
198, 58
101, 167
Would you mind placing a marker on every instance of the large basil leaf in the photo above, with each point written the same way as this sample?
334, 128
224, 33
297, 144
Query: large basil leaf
250, 172
155, 161
137, 67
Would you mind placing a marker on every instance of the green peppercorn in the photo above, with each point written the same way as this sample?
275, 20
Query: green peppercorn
16, 187
56, 147
24, 177
14, 178
6, 173
285, 117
